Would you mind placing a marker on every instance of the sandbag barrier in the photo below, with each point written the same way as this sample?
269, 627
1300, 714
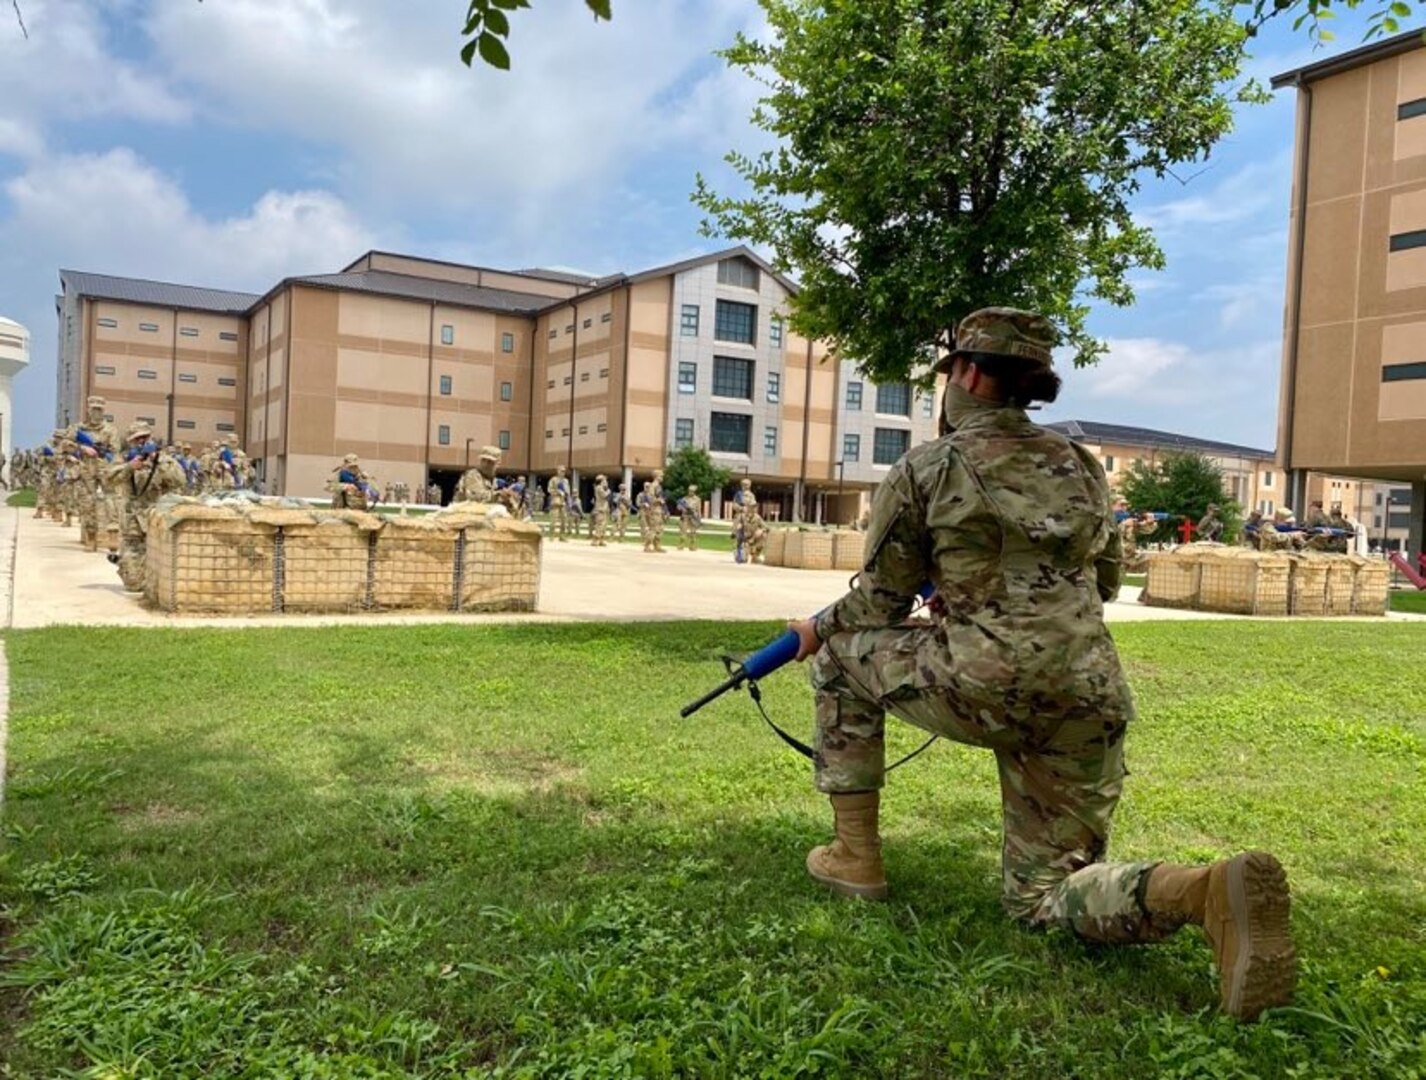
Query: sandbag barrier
265, 556
1242, 581
815, 549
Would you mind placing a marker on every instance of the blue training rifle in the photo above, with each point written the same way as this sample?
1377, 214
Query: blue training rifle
777, 653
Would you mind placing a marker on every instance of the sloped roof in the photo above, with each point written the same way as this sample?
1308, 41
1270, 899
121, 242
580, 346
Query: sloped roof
431, 290
1355, 58
156, 293
1093, 431
564, 277
718, 256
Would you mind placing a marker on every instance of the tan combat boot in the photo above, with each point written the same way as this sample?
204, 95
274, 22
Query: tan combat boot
1242, 904
851, 864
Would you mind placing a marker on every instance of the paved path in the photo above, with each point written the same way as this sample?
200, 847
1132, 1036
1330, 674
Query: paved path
56, 582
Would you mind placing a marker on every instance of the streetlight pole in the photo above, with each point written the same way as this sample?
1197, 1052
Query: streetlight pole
467, 454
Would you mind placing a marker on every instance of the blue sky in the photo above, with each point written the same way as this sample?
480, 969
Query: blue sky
232, 143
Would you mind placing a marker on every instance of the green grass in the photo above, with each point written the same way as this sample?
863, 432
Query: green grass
496, 851
1413, 602
1138, 581
23, 497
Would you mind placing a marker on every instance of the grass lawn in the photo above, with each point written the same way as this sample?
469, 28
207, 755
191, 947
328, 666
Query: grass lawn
1414, 602
23, 497
417, 851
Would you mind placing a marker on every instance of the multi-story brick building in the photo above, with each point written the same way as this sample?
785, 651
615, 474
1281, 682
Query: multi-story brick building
1353, 398
412, 362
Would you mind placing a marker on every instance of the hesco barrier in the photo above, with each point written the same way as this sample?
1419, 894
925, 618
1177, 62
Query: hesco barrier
848, 548
1212, 577
815, 549
776, 551
261, 557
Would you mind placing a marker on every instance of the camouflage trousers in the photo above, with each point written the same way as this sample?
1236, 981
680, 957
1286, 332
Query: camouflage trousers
1057, 795
598, 528
559, 521
687, 534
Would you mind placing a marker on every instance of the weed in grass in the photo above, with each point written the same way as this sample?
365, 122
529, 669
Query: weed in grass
68, 876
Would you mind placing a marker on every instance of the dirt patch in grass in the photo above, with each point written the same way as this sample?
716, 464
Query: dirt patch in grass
154, 815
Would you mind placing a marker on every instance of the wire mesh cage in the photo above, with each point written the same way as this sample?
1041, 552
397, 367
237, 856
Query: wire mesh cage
499, 567
200, 559
775, 553
1238, 581
848, 548
326, 566
1309, 584
1172, 580
414, 566
1341, 584
1371, 587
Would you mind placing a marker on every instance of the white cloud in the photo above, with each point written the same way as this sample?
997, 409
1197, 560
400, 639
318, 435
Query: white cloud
1255, 191
1242, 303
381, 84
1131, 367
115, 213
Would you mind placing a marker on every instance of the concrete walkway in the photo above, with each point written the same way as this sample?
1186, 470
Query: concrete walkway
55, 582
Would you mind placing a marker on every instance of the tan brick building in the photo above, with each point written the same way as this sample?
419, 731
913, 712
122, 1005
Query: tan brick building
414, 363
1353, 399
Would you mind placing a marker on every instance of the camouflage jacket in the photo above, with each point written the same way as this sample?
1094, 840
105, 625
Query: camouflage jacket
1012, 524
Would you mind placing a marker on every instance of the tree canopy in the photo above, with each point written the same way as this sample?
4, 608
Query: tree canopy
937, 156
693, 465
1180, 484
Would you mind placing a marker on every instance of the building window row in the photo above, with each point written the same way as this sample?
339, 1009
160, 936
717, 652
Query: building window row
735, 322
187, 425
227, 335
188, 331
225, 427
108, 324
893, 399
187, 377
222, 381
145, 373
149, 327
104, 369
733, 378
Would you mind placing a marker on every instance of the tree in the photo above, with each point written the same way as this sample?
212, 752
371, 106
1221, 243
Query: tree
487, 26
693, 465
1182, 485
938, 156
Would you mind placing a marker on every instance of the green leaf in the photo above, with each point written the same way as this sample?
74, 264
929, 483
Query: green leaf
497, 22
603, 9
493, 52
467, 54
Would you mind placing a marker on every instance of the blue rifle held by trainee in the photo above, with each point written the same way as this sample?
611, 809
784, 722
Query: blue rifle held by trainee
83, 438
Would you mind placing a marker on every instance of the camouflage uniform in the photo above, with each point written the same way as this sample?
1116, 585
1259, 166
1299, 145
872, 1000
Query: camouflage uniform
1012, 524
623, 506
599, 524
1210, 526
747, 520
651, 517
48, 469
143, 479
352, 487
478, 484
557, 493
688, 520
91, 503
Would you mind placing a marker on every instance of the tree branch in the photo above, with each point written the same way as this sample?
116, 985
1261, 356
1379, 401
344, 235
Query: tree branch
20, 18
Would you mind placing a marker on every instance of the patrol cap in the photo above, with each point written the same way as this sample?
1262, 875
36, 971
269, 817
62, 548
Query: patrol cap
351, 459
139, 429
490, 453
96, 402
1003, 331
692, 489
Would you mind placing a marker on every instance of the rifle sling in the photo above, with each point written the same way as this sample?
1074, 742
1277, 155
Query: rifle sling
806, 751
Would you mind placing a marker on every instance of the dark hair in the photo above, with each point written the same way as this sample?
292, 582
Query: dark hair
1021, 381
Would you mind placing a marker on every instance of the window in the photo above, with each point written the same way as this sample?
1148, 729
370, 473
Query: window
1402, 372
146, 419
187, 424
770, 441
564, 433
220, 427
604, 373
584, 376
1266, 506
774, 332
554, 333
588, 323
687, 377
735, 322
227, 335
227, 382
854, 397
732, 378
851, 447
928, 403
1376, 521
688, 320
728, 433
549, 433
503, 440
507, 342
507, 391
1267, 479
443, 435
569, 380
894, 399
602, 427
445, 385
608, 316
1408, 240
1378, 498
144, 373
569, 329
738, 272
188, 331
1408, 109
550, 385
889, 445
682, 434
448, 335
108, 369
187, 378
149, 327
774, 388
1109, 463
584, 429
109, 324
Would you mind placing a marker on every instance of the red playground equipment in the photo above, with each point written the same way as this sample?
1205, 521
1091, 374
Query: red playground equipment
1414, 574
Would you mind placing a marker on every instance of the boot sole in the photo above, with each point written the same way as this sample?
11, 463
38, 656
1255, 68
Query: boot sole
849, 888
1264, 973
